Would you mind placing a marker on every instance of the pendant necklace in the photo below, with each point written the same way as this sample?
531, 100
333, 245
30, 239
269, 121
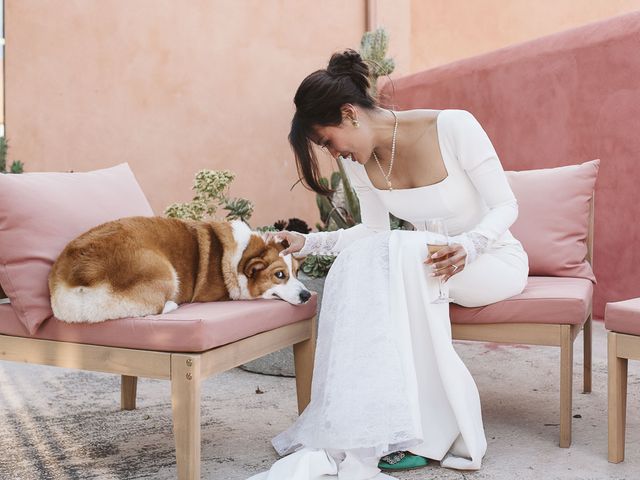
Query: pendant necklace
387, 176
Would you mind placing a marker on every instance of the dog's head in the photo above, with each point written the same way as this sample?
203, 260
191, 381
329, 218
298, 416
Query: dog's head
270, 275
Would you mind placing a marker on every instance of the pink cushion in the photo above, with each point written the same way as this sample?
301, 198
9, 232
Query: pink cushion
194, 327
41, 212
553, 219
554, 300
623, 317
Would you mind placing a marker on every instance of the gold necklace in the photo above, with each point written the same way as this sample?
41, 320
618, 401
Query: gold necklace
387, 176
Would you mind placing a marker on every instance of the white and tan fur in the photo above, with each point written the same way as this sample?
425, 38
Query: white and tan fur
149, 265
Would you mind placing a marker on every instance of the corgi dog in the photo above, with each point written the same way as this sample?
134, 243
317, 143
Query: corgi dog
140, 266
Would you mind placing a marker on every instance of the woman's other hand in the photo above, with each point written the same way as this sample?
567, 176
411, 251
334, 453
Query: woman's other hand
447, 261
295, 241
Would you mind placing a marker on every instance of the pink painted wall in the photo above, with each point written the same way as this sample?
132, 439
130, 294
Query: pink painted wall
560, 100
173, 87
443, 31
170, 87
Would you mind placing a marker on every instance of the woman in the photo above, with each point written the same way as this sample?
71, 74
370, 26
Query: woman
387, 381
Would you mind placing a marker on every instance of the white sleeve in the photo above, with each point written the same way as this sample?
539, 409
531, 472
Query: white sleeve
481, 163
374, 216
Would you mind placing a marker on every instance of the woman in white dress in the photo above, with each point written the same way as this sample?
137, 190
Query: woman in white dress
387, 382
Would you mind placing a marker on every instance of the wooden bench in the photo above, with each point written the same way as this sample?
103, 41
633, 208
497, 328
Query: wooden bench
551, 311
39, 214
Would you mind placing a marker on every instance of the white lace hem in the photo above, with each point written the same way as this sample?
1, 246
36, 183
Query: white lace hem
474, 244
320, 243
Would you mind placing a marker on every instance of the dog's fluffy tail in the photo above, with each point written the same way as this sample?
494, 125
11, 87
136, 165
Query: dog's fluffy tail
95, 304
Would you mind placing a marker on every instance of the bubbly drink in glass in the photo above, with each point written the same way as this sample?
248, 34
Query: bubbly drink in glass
440, 239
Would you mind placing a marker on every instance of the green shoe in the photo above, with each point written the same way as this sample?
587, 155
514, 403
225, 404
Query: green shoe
398, 461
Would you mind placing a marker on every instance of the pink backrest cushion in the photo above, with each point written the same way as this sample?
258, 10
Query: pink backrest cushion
41, 212
553, 218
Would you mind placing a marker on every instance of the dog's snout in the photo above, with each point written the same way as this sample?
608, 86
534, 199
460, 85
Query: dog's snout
305, 295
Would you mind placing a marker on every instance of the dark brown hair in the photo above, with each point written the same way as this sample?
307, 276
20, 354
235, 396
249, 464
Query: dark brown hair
318, 101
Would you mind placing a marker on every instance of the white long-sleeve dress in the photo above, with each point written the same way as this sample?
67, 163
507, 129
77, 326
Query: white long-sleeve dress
386, 375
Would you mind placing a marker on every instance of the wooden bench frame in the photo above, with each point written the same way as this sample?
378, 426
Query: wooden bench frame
185, 370
621, 348
555, 335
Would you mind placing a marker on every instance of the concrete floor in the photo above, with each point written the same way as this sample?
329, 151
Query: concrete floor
242, 411
520, 402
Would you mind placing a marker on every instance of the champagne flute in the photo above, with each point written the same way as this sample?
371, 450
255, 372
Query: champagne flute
436, 243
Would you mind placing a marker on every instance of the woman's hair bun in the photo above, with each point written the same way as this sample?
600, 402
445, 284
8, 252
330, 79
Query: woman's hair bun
349, 63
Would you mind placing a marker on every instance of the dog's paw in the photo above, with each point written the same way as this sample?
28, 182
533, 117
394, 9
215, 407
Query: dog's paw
169, 307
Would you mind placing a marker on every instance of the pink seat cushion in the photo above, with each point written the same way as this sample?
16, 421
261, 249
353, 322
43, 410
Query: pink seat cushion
553, 219
554, 300
623, 317
194, 327
41, 212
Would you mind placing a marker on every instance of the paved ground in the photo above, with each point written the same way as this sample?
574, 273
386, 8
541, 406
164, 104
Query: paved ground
63, 424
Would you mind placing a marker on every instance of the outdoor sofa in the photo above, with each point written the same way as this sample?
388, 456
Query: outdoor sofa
39, 214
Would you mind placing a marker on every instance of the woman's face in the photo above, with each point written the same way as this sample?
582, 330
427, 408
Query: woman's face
345, 140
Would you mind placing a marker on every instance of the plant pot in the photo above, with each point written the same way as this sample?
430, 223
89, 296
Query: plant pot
281, 363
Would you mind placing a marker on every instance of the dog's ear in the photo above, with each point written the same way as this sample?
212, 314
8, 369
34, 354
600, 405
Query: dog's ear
253, 266
281, 244
273, 238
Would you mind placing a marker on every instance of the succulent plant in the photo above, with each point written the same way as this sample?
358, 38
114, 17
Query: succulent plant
280, 225
317, 266
239, 209
3, 154
297, 225
373, 48
16, 166
342, 208
211, 187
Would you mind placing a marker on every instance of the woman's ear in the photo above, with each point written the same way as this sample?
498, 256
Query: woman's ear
349, 113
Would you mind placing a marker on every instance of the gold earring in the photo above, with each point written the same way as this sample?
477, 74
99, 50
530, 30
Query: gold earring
355, 123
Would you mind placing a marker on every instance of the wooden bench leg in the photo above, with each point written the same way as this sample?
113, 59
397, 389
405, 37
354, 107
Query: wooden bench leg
566, 384
303, 354
128, 390
587, 355
617, 368
185, 401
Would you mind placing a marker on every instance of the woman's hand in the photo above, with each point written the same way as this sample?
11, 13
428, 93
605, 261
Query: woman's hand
448, 261
295, 241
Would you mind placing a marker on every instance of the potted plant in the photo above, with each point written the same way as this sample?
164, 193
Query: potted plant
211, 187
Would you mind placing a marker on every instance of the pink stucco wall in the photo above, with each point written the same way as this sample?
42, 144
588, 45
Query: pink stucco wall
560, 100
173, 87
170, 87
446, 30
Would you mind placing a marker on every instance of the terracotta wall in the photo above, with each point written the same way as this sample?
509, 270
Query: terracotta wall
173, 87
446, 30
561, 100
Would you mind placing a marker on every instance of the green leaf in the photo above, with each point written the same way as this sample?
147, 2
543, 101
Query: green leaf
317, 266
17, 167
